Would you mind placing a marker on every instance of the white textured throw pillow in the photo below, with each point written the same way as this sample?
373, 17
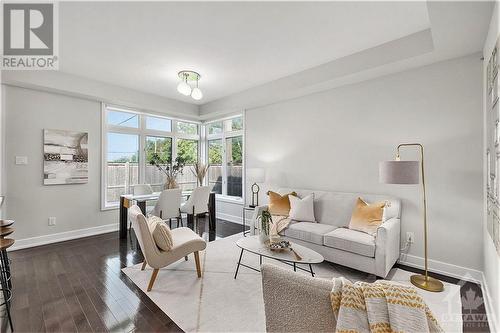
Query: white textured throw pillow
161, 233
302, 209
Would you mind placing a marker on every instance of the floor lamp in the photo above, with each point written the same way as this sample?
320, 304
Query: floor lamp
407, 172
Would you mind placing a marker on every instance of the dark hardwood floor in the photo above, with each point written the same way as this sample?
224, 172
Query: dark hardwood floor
78, 286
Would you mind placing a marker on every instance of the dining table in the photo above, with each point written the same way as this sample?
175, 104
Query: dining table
128, 200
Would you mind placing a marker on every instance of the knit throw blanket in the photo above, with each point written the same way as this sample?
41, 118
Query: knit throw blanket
380, 307
280, 222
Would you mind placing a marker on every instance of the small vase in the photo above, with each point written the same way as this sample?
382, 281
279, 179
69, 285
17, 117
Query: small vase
263, 238
170, 184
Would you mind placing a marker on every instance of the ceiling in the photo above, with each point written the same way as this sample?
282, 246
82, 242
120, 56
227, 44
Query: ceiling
234, 46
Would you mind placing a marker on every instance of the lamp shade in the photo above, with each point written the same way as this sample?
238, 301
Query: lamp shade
257, 175
399, 172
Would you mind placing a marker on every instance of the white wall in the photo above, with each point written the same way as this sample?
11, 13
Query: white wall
29, 202
334, 140
491, 260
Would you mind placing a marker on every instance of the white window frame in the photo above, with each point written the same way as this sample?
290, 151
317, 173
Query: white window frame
142, 133
223, 136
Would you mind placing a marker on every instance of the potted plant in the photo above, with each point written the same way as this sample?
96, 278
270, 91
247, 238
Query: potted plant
265, 219
171, 170
200, 171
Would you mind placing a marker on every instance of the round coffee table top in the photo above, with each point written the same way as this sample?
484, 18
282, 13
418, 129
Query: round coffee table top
253, 244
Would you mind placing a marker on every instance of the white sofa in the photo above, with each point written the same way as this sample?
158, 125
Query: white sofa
338, 244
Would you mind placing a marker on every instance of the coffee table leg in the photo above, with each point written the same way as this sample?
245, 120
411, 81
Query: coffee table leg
238, 266
311, 269
294, 267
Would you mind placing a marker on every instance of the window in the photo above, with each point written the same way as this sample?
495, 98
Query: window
215, 128
124, 119
187, 128
187, 150
158, 124
234, 161
225, 156
215, 165
122, 164
130, 140
163, 147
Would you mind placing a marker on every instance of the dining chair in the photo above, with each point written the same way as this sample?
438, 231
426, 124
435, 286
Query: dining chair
142, 189
185, 242
168, 206
197, 203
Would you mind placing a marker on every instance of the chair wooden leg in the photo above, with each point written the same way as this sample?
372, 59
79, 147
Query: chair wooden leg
143, 265
197, 261
153, 278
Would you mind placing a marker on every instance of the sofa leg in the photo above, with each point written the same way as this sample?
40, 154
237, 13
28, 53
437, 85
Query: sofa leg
186, 258
153, 278
143, 265
197, 261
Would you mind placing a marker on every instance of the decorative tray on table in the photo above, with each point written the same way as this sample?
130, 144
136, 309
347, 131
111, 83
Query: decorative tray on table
280, 246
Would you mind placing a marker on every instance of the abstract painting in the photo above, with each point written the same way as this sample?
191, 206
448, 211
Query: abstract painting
65, 157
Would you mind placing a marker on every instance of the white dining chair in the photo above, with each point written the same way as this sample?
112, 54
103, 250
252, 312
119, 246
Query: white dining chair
184, 240
197, 203
168, 206
142, 189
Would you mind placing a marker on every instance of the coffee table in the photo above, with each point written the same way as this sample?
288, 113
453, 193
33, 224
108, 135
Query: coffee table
253, 245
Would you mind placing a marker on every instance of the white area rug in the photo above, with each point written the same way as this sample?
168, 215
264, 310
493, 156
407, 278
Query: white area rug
219, 303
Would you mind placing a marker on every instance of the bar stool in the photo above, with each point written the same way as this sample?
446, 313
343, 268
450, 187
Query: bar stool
4, 232
5, 283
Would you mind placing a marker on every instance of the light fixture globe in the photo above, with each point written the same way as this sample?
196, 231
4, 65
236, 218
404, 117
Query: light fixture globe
184, 88
196, 94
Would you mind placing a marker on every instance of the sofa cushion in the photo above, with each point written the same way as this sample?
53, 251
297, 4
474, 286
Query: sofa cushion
308, 231
335, 208
352, 241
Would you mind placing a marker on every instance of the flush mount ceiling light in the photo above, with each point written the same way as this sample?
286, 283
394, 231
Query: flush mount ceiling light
184, 87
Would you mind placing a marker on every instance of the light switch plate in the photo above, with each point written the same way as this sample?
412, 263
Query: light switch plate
21, 160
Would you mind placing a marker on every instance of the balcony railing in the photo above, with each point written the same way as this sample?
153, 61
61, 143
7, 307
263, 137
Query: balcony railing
121, 178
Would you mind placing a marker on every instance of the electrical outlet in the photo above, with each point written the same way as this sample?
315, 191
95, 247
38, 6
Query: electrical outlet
410, 237
52, 221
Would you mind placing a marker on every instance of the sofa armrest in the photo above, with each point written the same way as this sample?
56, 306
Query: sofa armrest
296, 302
387, 244
256, 213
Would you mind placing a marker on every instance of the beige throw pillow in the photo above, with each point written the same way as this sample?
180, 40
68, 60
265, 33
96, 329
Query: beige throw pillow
367, 217
162, 234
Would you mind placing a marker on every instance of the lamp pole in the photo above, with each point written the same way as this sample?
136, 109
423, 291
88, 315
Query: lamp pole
422, 281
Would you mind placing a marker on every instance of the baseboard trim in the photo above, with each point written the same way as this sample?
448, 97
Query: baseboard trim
62, 236
458, 272
232, 218
493, 320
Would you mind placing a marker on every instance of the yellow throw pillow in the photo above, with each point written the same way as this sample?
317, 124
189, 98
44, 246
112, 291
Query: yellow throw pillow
279, 204
367, 217
162, 234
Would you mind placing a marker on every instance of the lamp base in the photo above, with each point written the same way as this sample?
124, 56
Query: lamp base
427, 283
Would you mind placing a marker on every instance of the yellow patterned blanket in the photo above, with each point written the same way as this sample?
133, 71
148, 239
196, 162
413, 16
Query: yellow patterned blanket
380, 307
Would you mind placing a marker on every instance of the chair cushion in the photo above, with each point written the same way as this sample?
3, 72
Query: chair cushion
187, 241
162, 234
308, 231
352, 241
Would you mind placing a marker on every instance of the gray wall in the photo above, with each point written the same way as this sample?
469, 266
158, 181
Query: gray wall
334, 140
27, 113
